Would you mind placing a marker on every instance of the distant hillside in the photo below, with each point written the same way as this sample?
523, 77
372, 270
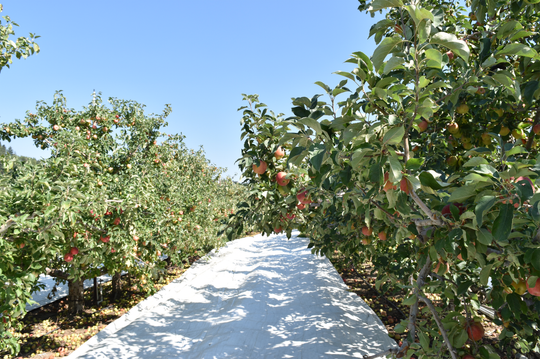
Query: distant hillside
9, 152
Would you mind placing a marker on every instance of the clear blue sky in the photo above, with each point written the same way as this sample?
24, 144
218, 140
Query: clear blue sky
199, 56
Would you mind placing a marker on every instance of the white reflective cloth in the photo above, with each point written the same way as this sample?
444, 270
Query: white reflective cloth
257, 297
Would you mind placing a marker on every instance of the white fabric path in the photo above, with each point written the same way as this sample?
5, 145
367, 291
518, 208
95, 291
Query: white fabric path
257, 297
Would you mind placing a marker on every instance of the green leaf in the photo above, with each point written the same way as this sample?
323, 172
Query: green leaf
434, 58
414, 164
516, 150
394, 135
503, 79
462, 193
528, 90
535, 259
424, 341
514, 302
395, 167
453, 43
346, 74
476, 161
484, 237
484, 274
503, 223
461, 338
482, 206
314, 124
428, 180
393, 63
388, 45
419, 14
375, 172
517, 49
317, 156
383, 4
410, 300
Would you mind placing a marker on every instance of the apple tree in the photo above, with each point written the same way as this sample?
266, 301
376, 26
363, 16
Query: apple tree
422, 160
116, 194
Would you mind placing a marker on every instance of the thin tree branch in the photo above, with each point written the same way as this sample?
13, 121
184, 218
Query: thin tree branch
439, 324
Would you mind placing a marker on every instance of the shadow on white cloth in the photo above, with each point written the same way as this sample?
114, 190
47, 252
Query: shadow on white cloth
258, 297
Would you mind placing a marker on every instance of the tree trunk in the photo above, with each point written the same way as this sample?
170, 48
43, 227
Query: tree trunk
76, 296
116, 290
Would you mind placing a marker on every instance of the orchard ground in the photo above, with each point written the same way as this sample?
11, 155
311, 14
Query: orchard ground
50, 332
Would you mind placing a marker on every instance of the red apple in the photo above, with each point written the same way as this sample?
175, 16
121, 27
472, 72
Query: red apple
56, 127
450, 55
475, 331
281, 180
366, 231
277, 230
423, 125
382, 236
467, 356
279, 153
301, 197
74, 251
105, 239
260, 169
536, 129
534, 290
68, 257
300, 206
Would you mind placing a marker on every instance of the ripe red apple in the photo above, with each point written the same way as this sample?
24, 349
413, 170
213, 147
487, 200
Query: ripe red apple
475, 331
300, 206
534, 290
301, 197
279, 153
536, 129
450, 55
105, 239
135, 238
423, 125
366, 231
21, 246
277, 230
74, 251
260, 169
382, 236
56, 127
405, 185
116, 221
291, 215
281, 180
68, 257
